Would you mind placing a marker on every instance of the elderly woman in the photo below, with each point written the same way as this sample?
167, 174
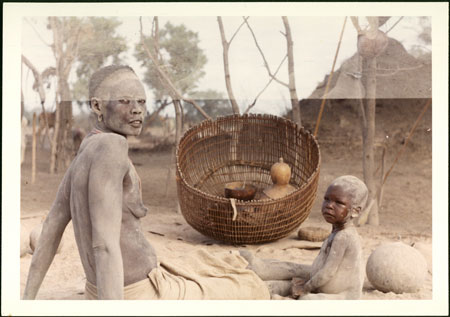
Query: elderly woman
337, 272
101, 194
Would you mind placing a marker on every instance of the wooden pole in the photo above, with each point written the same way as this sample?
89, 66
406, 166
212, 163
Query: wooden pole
369, 138
296, 115
324, 98
33, 151
55, 137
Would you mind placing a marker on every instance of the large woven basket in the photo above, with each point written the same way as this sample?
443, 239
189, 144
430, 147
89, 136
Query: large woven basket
243, 148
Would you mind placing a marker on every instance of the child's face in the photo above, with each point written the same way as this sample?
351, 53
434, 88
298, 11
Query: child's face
336, 205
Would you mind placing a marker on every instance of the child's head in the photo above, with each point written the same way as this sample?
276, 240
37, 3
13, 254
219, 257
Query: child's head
355, 187
345, 198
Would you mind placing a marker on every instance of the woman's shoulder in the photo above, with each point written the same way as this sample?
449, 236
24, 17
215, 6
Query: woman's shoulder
113, 138
107, 144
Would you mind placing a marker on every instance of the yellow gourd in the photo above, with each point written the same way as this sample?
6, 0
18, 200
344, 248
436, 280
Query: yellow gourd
280, 173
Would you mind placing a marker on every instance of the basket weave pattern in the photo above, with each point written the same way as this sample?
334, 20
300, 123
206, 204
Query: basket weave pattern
243, 148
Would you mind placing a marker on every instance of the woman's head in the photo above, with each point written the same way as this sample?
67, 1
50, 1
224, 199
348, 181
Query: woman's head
117, 97
345, 198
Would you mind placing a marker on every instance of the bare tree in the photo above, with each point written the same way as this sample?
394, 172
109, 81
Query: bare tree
175, 101
40, 87
175, 95
272, 78
65, 49
371, 43
226, 65
292, 90
266, 65
290, 56
369, 137
164, 77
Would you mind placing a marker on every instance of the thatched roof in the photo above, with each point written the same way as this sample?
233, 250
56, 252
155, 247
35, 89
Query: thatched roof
399, 75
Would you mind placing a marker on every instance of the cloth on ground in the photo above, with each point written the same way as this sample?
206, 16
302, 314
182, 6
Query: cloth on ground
197, 275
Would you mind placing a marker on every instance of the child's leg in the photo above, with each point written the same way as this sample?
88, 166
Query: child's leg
270, 270
282, 288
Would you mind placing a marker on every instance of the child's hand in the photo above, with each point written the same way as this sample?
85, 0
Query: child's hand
298, 289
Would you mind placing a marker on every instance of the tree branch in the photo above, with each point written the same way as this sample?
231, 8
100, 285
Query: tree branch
37, 77
155, 35
267, 85
291, 72
356, 25
153, 116
34, 29
395, 24
329, 79
166, 78
396, 70
226, 67
40, 85
72, 46
407, 139
56, 47
266, 65
237, 30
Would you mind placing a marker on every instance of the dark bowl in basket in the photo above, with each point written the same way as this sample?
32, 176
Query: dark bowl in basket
239, 190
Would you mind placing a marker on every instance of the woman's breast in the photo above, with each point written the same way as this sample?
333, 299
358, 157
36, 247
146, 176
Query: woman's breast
132, 194
138, 255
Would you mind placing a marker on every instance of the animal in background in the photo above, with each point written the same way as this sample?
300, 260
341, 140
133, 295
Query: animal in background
77, 133
51, 116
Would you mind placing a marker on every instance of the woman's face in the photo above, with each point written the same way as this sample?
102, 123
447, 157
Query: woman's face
123, 103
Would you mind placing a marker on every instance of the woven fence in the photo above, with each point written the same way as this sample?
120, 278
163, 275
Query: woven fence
243, 148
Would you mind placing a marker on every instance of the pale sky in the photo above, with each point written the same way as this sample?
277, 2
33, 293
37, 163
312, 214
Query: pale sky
315, 42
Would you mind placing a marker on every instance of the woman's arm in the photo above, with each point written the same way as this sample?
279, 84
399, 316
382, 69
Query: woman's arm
52, 231
105, 208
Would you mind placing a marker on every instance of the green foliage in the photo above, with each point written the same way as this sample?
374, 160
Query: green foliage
97, 44
80, 90
182, 59
211, 101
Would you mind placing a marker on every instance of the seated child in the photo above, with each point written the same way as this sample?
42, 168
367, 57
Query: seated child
337, 272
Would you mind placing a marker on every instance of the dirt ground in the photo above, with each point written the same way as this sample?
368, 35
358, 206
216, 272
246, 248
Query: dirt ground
405, 213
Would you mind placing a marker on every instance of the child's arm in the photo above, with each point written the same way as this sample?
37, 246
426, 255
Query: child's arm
329, 269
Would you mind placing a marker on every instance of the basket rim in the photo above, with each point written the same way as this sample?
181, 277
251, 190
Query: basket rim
247, 115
